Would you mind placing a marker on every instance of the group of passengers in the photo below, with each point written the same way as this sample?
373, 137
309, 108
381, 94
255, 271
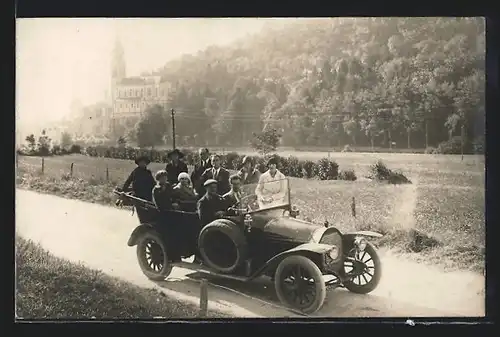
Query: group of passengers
210, 190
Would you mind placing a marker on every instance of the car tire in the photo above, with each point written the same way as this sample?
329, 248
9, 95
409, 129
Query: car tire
227, 236
308, 267
375, 278
151, 242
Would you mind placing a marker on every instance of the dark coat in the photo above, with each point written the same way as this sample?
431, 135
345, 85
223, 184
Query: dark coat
185, 199
222, 178
230, 199
196, 176
173, 171
207, 206
162, 197
252, 178
142, 182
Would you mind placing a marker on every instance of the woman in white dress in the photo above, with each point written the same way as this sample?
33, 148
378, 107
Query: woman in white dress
272, 188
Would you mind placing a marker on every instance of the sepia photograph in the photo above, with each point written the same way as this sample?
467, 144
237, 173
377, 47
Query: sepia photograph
220, 168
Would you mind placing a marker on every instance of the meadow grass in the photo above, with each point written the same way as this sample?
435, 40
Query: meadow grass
51, 287
438, 219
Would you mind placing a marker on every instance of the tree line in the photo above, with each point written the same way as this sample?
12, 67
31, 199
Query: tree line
404, 82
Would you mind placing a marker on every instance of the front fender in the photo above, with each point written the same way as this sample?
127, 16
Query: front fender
312, 250
137, 232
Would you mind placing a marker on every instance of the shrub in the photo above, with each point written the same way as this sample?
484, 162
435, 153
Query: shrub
231, 161
347, 148
308, 169
75, 148
478, 145
453, 146
430, 150
381, 172
294, 167
327, 169
348, 175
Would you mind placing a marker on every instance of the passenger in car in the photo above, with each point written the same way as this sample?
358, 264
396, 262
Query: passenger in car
184, 194
233, 197
162, 193
211, 206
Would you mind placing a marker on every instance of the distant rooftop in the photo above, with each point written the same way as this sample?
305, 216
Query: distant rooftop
141, 80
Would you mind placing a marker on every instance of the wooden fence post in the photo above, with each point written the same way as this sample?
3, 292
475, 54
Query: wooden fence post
203, 299
107, 173
71, 170
353, 207
43, 165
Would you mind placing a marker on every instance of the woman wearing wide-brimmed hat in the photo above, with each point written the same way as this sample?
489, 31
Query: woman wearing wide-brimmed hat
272, 189
141, 179
248, 173
175, 166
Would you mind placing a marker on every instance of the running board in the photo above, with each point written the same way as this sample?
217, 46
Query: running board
204, 270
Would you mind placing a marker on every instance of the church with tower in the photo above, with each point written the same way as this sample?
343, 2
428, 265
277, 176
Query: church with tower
131, 95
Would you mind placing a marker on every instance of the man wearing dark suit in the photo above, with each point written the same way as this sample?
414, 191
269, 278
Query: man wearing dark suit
211, 206
233, 197
219, 174
199, 168
175, 166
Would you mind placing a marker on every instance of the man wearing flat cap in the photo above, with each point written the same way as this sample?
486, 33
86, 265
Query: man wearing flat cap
211, 206
175, 167
199, 168
141, 179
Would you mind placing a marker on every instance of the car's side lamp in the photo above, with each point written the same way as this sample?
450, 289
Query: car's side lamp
248, 222
294, 212
326, 224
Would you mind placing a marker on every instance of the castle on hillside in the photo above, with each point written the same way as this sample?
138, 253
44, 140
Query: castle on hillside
130, 96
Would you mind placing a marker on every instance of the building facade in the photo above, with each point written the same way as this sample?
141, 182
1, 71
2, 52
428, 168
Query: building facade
130, 96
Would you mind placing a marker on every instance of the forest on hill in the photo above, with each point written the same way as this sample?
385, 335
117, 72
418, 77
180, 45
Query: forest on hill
331, 82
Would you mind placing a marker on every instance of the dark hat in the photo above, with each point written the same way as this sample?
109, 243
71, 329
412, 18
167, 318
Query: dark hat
142, 158
272, 160
179, 153
209, 182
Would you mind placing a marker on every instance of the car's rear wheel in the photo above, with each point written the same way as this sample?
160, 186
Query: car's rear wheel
299, 284
152, 256
366, 268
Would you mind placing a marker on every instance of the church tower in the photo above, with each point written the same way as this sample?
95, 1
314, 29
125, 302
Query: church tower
118, 70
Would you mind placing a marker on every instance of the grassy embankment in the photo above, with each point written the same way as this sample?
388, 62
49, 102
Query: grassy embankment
54, 288
438, 219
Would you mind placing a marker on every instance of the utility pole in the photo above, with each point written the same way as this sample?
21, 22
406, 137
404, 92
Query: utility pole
173, 127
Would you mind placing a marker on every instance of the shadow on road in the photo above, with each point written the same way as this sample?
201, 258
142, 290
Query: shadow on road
259, 296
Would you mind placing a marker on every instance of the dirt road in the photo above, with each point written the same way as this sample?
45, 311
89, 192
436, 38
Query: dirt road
96, 236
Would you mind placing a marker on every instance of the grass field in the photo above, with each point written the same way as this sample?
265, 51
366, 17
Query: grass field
50, 287
445, 201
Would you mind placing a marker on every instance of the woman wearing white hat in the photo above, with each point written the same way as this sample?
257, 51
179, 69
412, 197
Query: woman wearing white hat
184, 193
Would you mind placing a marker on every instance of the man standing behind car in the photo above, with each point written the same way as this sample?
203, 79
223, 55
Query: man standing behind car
211, 206
199, 168
219, 174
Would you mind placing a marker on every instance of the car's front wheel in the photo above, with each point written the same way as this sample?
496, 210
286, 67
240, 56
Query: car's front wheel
152, 256
365, 268
299, 284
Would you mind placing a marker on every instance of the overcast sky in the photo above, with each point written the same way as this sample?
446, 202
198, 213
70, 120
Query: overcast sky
58, 60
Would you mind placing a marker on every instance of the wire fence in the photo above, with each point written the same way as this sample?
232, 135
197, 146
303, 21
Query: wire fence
101, 169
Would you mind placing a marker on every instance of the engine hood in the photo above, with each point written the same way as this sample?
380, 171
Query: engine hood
292, 229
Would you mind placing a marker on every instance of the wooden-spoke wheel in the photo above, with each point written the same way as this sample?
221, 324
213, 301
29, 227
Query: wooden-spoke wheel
299, 284
152, 257
365, 269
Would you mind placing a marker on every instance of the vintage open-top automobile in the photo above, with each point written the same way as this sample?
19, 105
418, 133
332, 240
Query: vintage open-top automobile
262, 235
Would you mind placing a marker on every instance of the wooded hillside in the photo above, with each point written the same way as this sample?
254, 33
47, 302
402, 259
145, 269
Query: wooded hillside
325, 82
